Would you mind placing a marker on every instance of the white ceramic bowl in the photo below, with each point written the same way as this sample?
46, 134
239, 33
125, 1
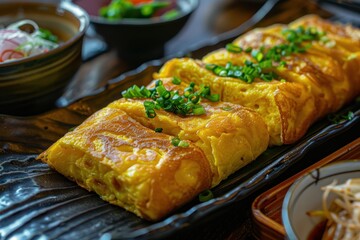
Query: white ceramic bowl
306, 195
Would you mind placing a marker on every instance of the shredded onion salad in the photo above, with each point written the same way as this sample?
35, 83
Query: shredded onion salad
23, 39
343, 214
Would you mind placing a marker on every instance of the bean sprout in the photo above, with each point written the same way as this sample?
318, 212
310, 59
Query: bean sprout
343, 214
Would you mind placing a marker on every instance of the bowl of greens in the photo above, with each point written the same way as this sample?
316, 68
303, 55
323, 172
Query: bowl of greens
40, 51
139, 29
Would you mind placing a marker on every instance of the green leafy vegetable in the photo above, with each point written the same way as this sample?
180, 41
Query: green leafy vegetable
119, 9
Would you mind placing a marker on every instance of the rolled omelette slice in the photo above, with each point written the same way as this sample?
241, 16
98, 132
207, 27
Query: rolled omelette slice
230, 136
342, 45
330, 71
287, 108
130, 165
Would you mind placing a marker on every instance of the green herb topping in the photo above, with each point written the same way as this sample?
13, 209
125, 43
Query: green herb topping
233, 48
246, 73
206, 196
260, 68
47, 35
176, 81
172, 101
159, 130
337, 118
179, 143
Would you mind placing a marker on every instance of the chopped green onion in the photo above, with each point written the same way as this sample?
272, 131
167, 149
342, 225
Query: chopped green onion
183, 144
199, 110
47, 35
159, 130
176, 80
249, 49
171, 101
337, 118
258, 55
233, 48
206, 196
213, 97
175, 141
247, 73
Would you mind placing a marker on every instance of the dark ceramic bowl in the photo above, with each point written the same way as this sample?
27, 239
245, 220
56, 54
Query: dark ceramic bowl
32, 85
138, 40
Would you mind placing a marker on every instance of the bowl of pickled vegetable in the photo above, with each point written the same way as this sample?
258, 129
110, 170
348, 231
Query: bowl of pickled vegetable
139, 29
324, 204
40, 51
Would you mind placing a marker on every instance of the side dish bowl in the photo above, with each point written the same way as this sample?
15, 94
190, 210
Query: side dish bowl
31, 85
138, 39
305, 195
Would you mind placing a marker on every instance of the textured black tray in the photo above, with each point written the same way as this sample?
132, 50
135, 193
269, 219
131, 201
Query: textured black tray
38, 203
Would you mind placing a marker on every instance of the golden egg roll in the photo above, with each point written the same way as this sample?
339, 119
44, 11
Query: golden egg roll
287, 108
230, 136
130, 165
331, 68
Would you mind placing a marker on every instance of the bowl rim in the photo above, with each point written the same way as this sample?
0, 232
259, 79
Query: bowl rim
69, 7
330, 169
139, 21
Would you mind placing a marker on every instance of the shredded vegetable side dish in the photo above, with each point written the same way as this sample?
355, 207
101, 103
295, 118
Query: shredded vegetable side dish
24, 39
343, 214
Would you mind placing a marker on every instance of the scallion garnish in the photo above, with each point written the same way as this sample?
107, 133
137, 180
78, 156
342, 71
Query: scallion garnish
176, 80
183, 144
206, 196
179, 143
249, 49
265, 59
47, 35
233, 48
159, 130
337, 118
172, 101
246, 73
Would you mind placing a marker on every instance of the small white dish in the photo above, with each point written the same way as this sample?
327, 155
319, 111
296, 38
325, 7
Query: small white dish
306, 195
